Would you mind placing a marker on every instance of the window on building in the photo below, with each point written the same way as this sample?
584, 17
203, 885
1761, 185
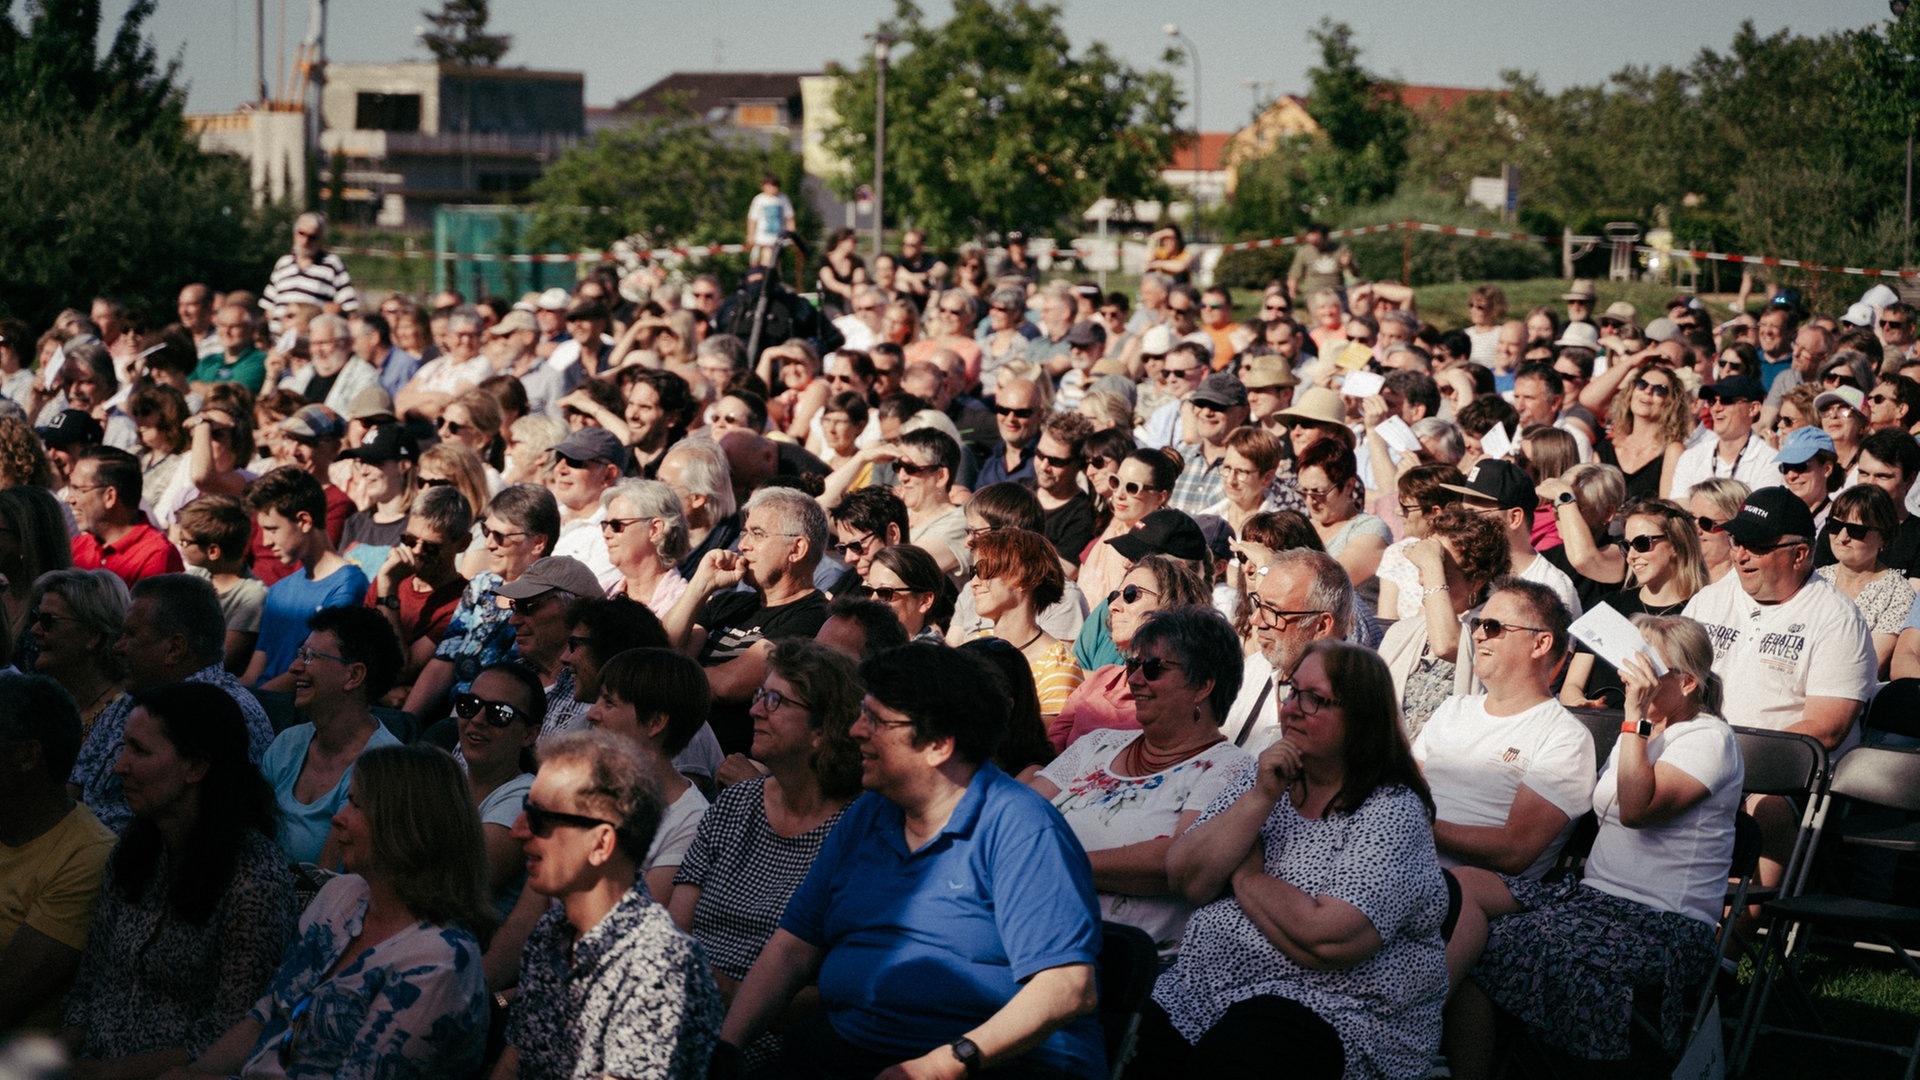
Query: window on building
758, 115
387, 112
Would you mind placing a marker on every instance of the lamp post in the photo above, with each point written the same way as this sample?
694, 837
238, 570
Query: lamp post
1193, 54
882, 45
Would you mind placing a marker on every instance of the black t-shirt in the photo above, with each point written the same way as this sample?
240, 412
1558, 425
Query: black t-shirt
1070, 526
319, 386
362, 529
736, 622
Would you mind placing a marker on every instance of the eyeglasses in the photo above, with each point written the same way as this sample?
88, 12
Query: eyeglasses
46, 619
1309, 702
1151, 667
1277, 618
435, 481
307, 655
1212, 305
1410, 509
760, 535
1317, 494
908, 468
1097, 461
616, 526
1707, 524
524, 607
426, 548
1881, 399
1131, 487
1767, 549
887, 594
1057, 462
1494, 627
1641, 544
847, 379
576, 643
873, 720
1789, 468
1131, 594
495, 536
541, 821
856, 546
1853, 530
1895, 324
1235, 472
467, 705
1180, 373
1656, 389
1008, 410
451, 427
773, 699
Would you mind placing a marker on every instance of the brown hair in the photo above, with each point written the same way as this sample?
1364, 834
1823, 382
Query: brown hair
1025, 555
425, 835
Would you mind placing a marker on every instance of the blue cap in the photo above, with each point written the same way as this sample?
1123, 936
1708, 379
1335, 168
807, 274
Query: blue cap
1802, 443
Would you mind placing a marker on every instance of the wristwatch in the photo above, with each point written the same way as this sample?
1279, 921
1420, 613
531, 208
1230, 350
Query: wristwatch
391, 601
968, 1053
1565, 498
1642, 728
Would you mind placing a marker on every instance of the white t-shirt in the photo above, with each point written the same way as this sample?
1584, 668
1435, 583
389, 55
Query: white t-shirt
1476, 763
1542, 572
1755, 466
1109, 811
582, 539
1680, 866
770, 215
678, 826
1773, 657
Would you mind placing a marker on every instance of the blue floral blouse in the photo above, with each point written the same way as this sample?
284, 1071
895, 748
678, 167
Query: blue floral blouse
412, 1006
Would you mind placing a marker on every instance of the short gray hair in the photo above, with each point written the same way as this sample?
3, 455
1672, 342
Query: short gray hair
1329, 589
652, 499
798, 511
726, 345
187, 605
99, 598
704, 471
1203, 644
1406, 320
327, 320
444, 508
465, 315
1446, 437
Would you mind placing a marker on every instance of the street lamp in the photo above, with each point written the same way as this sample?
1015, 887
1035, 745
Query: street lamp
882, 45
1172, 30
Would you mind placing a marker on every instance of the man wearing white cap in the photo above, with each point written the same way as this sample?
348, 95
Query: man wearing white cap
519, 339
550, 315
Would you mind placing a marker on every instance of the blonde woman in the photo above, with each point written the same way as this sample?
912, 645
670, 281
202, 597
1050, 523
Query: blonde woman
1651, 422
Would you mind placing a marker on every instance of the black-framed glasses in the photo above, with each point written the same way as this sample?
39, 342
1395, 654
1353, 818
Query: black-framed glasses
425, 548
1641, 544
524, 607
773, 699
886, 594
1854, 530
1881, 399
1279, 619
1788, 468
541, 821
46, 619
975, 532
1708, 525
1767, 549
1410, 509
1658, 390
1130, 593
451, 427
854, 547
1309, 702
1494, 627
1008, 410
495, 536
1057, 462
467, 705
1097, 461
1151, 667
435, 481
1180, 373
908, 468
616, 526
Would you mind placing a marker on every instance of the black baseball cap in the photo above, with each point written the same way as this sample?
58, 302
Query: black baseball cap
72, 428
1735, 388
1769, 514
1165, 532
383, 443
1501, 482
1220, 390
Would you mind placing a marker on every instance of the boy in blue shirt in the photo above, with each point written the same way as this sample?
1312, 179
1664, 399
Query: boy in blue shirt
291, 508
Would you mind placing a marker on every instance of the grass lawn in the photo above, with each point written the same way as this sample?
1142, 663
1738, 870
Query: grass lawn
1861, 995
1446, 305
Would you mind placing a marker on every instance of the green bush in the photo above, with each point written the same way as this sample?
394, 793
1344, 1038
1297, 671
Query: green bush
1437, 258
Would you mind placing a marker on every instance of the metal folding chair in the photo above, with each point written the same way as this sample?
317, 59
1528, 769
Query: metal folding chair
1129, 962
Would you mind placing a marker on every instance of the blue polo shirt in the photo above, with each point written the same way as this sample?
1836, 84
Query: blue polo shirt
923, 946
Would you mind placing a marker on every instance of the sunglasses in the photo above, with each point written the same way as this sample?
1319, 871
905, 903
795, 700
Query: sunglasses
1881, 399
1790, 468
435, 481
1131, 594
1097, 461
1007, 410
426, 548
908, 468
1057, 462
541, 821
497, 713
852, 547
1494, 627
495, 536
1895, 324
1151, 667
1211, 305
1659, 390
1181, 373
1853, 530
616, 526
887, 594
1708, 525
1641, 544
524, 608
451, 427
1767, 549
1131, 487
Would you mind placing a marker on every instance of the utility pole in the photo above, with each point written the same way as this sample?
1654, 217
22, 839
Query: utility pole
882, 47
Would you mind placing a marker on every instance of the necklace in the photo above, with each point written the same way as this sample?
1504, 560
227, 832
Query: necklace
1146, 763
1031, 640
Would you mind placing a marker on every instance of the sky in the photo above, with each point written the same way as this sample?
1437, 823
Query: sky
1246, 47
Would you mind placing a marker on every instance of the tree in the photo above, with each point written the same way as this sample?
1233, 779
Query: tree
460, 35
994, 122
659, 181
105, 191
1360, 113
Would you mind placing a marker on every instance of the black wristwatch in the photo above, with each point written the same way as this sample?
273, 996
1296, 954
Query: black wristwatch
1564, 498
391, 601
968, 1053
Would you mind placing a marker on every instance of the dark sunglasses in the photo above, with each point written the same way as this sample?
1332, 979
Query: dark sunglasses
887, 594
498, 713
1789, 468
1656, 389
1767, 549
541, 821
850, 547
1151, 667
1641, 544
434, 482
1855, 531
1131, 594
427, 548
1708, 525
1057, 462
616, 526
1007, 410
451, 427
1494, 627
1881, 399
907, 468
1098, 461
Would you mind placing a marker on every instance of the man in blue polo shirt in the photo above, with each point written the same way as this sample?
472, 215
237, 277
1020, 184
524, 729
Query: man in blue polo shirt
944, 894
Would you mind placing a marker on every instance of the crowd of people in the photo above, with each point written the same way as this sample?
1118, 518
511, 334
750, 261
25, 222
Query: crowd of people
552, 687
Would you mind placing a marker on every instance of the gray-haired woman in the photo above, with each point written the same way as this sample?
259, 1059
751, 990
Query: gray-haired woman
646, 533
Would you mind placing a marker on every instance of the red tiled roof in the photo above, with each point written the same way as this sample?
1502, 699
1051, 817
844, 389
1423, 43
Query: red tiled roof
1213, 148
1438, 98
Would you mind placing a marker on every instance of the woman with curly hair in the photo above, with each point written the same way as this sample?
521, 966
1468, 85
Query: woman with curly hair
1650, 428
22, 459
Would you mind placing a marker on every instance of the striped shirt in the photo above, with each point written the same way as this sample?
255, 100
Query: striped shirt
325, 282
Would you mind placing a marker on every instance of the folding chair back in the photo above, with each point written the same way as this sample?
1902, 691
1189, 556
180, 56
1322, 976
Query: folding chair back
1881, 776
1604, 724
1896, 709
1129, 961
1794, 766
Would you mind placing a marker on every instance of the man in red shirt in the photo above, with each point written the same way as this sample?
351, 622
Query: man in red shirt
104, 491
